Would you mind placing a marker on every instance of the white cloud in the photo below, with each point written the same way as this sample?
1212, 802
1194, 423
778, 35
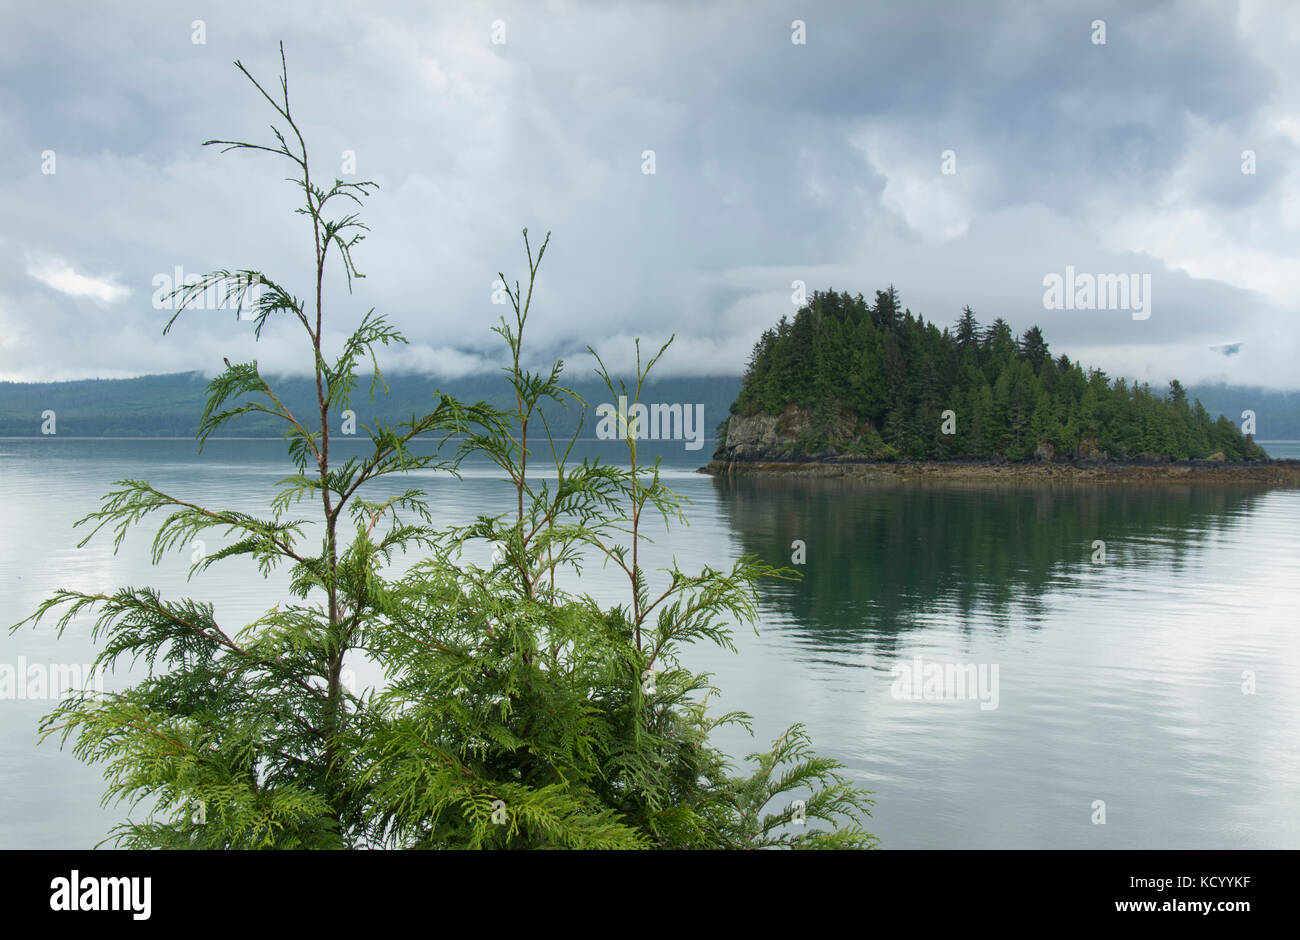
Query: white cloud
931, 203
775, 162
59, 275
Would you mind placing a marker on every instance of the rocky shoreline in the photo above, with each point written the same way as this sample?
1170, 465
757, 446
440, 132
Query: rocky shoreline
775, 445
1273, 473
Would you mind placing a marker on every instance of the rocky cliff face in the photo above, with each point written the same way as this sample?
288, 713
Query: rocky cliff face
754, 438
787, 436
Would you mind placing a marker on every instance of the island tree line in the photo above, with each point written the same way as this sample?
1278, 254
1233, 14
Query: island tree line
874, 380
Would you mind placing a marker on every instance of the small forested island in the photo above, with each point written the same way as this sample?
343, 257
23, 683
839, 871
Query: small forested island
873, 387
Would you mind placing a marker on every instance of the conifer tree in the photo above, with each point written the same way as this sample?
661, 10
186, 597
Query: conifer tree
902, 372
515, 711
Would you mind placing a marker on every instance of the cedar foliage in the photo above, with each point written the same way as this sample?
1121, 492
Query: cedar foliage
515, 712
891, 375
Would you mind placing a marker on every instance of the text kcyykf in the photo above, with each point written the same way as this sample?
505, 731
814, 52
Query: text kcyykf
104, 893
655, 422
1098, 292
940, 682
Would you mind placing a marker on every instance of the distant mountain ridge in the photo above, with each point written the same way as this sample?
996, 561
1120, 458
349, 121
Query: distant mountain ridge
169, 404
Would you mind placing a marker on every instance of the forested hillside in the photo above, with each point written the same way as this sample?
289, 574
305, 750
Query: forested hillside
876, 380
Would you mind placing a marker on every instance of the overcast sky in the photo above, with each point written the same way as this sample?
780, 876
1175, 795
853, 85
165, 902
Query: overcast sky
774, 161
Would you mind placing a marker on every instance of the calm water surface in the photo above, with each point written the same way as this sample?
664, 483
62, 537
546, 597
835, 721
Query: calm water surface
1119, 681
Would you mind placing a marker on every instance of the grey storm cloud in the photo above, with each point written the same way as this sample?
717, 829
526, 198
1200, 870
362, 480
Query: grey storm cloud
775, 163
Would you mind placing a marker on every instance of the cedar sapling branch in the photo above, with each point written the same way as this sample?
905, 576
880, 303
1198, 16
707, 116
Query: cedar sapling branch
514, 711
